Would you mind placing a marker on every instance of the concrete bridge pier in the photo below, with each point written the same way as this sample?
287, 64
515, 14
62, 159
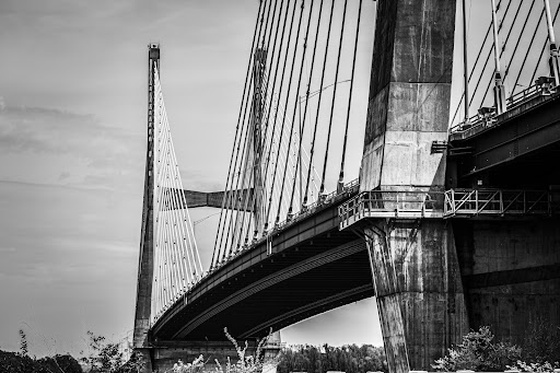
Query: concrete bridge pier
419, 293
413, 261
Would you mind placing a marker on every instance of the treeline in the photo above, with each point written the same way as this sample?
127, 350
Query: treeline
103, 357
13, 362
349, 359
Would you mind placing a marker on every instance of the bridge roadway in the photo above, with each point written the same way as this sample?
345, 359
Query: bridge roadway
525, 140
302, 269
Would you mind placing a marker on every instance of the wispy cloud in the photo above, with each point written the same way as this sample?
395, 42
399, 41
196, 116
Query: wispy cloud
76, 149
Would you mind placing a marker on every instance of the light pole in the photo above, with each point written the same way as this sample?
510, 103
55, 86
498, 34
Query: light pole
203, 219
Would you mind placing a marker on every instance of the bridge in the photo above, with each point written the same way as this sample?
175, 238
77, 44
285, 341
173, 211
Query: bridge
450, 224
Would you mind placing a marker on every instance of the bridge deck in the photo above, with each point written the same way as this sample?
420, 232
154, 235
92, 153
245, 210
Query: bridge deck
305, 267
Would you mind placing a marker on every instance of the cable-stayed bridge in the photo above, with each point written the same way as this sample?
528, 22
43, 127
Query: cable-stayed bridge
448, 218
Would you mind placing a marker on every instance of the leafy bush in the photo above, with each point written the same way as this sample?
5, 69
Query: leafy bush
534, 367
479, 352
13, 362
196, 366
108, 357
245, 363
542, 343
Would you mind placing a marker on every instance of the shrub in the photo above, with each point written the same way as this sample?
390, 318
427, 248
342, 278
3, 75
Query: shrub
479, 352
542, 343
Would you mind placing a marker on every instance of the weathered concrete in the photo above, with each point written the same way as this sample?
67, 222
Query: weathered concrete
419, 291
414, 264
409, 94
146, 261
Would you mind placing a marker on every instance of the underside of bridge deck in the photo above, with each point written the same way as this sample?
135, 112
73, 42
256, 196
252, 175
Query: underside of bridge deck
308, 268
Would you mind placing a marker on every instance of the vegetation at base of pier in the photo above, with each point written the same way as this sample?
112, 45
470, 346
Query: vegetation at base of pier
245, 363
103, 357
106, 357
479, 351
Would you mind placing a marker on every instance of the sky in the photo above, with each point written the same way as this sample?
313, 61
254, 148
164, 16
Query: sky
72, 141
73, 96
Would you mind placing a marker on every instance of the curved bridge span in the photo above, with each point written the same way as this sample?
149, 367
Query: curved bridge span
450, 230
306, 268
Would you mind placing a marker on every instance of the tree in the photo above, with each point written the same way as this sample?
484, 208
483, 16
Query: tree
479, 352
349, 358
59, 364
109, 358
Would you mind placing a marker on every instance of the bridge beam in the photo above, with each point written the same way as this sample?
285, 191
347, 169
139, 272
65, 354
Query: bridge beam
414, 266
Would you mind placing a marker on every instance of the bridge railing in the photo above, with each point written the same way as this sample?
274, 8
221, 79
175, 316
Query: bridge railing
390, 203
497, 202
487, 116
448, 204
347, 189
344, 191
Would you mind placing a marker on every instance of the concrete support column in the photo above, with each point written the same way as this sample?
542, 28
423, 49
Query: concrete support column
271, 353
414, 264
419, 293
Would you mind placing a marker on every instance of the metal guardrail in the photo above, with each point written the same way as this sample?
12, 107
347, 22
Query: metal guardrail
487, 116
449, 204
347, 189
497, 202
391, 204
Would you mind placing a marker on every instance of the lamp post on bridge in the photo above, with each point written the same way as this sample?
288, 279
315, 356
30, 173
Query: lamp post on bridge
553, 59
302, 99
499, 89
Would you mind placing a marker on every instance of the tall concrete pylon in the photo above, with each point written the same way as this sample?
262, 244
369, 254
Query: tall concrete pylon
146, 261
414, 263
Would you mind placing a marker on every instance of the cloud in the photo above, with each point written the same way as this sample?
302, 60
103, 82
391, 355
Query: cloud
74, 148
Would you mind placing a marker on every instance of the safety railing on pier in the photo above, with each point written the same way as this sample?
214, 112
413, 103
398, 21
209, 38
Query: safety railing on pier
496, 202
487, 116
449, 204
391, 204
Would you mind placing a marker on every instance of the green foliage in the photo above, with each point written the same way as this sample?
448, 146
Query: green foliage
23, 347
60, 364
479, 352
245, 363
349, 358
11, 362
534, 367
542, 343
195, 367
108, 357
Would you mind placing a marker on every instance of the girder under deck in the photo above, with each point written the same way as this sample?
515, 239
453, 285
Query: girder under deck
512, 150
306, 268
